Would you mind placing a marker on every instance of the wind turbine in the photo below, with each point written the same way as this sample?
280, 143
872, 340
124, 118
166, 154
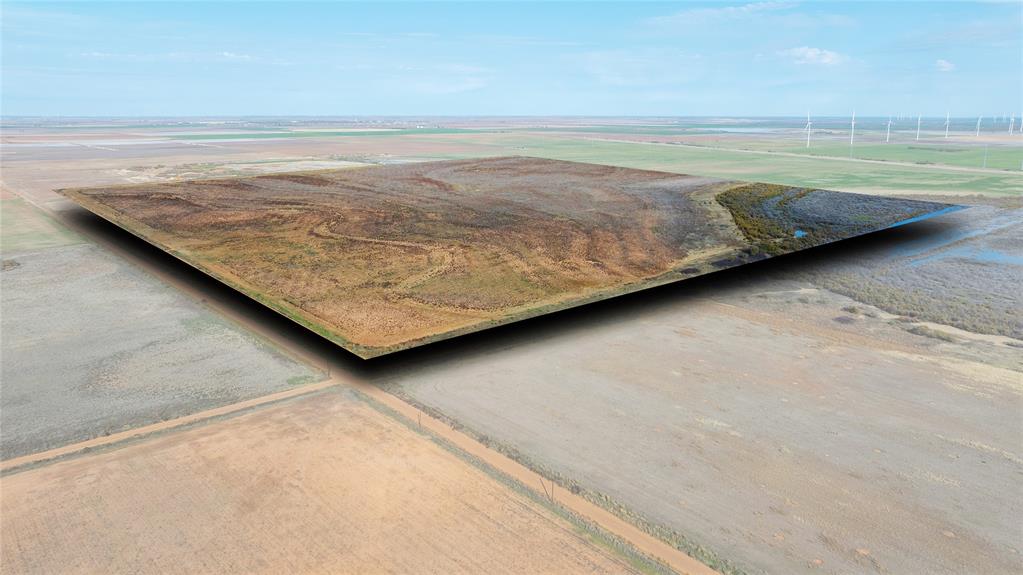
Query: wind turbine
1012, 123
808, 126
918, 127
946, 125
852, 131
979, 118
888, 134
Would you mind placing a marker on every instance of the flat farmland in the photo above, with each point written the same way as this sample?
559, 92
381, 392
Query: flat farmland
93, 344
324, 483
384, 258
992, 152
729, 160
853, 409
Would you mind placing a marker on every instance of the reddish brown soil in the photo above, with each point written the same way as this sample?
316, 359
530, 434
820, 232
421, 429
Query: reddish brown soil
386, 257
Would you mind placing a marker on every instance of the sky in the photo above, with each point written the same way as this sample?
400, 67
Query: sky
479, 58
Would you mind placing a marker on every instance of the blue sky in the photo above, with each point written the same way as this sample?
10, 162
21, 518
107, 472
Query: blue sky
609, 58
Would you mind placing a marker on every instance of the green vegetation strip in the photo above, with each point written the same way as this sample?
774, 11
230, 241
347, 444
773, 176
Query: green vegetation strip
972, 156
744, 203
322, 134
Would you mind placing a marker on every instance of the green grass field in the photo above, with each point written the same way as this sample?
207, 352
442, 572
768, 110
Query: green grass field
820, 172
971, 156
825, 165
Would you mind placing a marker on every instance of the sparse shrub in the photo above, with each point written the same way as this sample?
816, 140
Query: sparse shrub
932, 333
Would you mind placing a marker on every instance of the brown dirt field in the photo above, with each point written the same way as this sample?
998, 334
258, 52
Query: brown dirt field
324, 483
384, 258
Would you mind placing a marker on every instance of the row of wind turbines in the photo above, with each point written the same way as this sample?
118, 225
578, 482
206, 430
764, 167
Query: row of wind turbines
919, 118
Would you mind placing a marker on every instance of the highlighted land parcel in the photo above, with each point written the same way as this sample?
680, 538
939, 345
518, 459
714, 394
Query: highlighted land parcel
385, 258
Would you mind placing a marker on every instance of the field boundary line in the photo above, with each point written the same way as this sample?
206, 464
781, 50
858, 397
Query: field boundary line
57, 452
642, 541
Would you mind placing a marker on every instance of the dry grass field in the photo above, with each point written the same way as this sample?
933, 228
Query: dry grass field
384, 258
325, 483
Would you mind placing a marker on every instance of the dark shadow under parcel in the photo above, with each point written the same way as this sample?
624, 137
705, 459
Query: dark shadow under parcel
385, 258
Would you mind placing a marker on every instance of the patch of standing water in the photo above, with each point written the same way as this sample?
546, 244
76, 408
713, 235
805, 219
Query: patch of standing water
974, 253
928, 215
914, 247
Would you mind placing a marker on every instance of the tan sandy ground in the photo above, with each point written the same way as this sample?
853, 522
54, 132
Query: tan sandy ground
324, 483
779, 438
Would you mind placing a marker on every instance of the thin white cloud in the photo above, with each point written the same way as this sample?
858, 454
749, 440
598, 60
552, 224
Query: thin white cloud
638, 68
432, 87
432, 68
988, 33
694, 15
234, 56
224, 56
816, 56
388, 36
765, 15
428, 78
944, 65
508, 40
462, 69
21, 20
